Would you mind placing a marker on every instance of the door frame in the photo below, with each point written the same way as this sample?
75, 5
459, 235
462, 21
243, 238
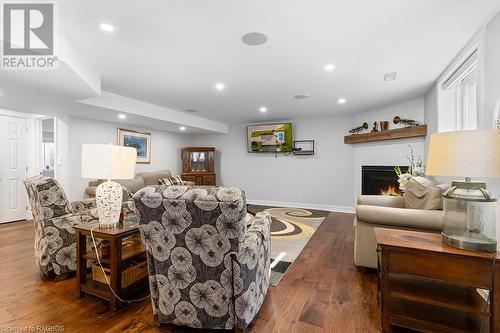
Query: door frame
33, 145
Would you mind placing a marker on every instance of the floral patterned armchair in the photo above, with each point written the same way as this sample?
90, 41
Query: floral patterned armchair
54, 218
206, 268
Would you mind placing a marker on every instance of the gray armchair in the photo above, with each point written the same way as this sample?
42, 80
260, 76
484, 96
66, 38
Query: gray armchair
54, 217
206, 269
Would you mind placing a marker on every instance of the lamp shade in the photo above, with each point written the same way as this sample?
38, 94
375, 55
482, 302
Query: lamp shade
464, 154
101, 161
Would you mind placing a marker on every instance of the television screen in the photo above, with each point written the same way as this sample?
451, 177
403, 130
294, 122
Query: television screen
270, 138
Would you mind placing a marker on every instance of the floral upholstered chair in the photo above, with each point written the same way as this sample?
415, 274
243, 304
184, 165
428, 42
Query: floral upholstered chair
206, 269
54, 218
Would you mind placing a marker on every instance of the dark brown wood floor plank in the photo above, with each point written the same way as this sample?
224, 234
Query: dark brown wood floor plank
322, 292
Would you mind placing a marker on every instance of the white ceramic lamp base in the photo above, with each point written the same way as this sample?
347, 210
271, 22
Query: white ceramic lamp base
109, 197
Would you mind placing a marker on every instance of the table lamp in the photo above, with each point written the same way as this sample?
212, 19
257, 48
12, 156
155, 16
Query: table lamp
469, 209
107, 161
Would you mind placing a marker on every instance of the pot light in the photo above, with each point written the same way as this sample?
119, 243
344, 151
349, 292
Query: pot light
122, 116
342, 100
220, 86
182, 128
329, 67
106, 27
263, 109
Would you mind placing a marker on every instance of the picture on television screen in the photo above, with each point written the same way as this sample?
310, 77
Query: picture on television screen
270, 138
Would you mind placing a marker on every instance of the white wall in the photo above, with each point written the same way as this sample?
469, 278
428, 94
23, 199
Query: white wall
491, 73
323, 181
165, 149
489, 94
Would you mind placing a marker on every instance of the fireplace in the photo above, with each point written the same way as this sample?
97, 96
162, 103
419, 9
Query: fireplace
380, 180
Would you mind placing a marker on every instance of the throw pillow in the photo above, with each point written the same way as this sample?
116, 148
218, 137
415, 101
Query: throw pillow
176, 180
418, 196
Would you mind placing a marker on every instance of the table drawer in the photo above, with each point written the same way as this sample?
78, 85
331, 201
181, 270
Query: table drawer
457, 269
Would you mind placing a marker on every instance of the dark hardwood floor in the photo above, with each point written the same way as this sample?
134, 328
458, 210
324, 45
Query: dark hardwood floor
322, 292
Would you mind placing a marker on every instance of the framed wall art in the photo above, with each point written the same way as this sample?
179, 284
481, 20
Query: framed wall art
139, 140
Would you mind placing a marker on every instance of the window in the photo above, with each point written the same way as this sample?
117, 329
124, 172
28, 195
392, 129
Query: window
458, 97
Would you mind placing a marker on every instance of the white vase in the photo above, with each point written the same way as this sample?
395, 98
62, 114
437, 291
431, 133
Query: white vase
109, 197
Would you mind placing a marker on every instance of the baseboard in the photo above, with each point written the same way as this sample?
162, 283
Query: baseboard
329, 208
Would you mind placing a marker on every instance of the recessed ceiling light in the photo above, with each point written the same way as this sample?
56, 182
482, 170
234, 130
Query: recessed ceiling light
182, 128
106, 27
342, 100
220, 86
191, 110
329, 67
254, 38
122, 116
390, 76
263, 109
302, 96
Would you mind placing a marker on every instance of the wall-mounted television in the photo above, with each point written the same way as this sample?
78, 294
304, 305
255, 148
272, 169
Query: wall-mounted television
270, 138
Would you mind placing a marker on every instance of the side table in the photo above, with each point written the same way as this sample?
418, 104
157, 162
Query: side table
119, 256
428, 286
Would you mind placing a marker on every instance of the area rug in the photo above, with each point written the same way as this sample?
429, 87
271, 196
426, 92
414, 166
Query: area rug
291, 229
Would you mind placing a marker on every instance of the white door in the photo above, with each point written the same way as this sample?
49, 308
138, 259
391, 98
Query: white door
13, 165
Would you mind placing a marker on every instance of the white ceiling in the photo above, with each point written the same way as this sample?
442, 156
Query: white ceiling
171, 53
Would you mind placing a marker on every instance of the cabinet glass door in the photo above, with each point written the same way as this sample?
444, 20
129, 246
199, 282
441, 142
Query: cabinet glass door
198, 161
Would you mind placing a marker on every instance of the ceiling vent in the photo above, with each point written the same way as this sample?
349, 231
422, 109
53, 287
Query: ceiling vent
254, 38
302, 97
390, 76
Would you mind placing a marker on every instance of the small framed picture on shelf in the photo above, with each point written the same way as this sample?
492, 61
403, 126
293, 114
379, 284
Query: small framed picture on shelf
139, 140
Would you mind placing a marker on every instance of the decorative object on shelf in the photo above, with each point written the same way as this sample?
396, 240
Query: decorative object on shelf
384, 125
416, 168
198, 165
101, 161
374, 128
358, 129
270, 138
141, 141
303, 147
469, 209
393, 134
406, 122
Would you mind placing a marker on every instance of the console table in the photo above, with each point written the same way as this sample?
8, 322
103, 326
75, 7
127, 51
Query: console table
428, 286
119, 262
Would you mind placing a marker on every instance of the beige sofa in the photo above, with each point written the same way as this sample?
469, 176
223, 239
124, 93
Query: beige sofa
141, 180
387, 212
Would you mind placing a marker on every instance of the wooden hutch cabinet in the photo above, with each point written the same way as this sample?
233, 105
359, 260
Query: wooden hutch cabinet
198, 165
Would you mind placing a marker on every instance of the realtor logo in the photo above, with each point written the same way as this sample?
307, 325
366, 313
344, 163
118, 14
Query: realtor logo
28, 32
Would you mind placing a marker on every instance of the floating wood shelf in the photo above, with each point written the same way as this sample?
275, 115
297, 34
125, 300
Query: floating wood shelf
394, 134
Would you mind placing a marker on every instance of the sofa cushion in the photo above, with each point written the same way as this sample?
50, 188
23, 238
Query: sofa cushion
151, 178
419, 196
133, 185
176, 180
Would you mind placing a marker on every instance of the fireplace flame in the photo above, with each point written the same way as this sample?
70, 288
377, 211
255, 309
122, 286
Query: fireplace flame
390, 190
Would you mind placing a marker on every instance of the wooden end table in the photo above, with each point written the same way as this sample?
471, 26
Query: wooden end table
428, 286
118, 257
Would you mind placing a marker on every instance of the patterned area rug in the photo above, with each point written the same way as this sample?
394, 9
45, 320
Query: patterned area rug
291, 229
